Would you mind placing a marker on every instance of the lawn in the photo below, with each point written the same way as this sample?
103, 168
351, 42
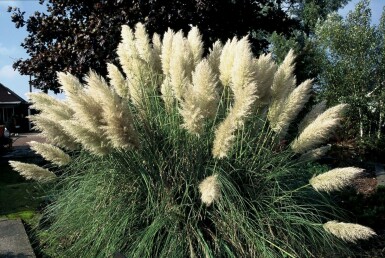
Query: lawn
19, 198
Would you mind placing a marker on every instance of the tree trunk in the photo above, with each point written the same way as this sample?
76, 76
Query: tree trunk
380, 120
361, 123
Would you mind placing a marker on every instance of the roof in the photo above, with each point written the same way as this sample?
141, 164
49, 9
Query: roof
7, 96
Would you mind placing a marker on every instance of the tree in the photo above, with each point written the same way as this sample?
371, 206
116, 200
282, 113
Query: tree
308, 12
74, 35
354, 67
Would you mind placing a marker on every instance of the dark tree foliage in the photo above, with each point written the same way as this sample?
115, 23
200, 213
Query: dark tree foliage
74, 36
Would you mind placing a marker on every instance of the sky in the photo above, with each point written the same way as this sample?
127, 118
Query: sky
11, 38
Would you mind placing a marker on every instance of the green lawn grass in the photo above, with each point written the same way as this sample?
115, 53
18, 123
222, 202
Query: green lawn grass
19, 198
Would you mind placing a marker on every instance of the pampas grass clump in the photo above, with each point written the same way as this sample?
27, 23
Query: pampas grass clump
183, 156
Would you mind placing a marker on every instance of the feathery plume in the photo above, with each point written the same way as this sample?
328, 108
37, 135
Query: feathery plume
166, 87
335, 179
32, 171
284, 79
69, 83
315, 154
127, 51
119, 128
167, 93
179, 71
319, 130
87, 110
265, 70
204, 82
349, 232
157, 50
50, 153
118, 121
52, 112
95, 142
224, 137
225, 133
243, 69
53, 132
117, 81
97, 88
194, 39
167, 50
137, 70
210, 190
214, 56
142, 43
312, 115
58, 110
226, 61
291, 107
283, 83
201, 99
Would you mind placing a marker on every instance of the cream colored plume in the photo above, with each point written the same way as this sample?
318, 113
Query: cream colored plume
157, 50
291, 106
94, 142
119, 128
167, 93
53, 132
56, 109
243, 68
143, 46
225, 133
194, 39
51, 153
167, 50
243, 84
117, 81
201, 99
118, 125
86, 108
284, 79
265, 70
319, 130
335, 179
214, 56
283, 84
315, 154
180, 65
226, 61
135, 56
224, 137
32, 171
317, 110
210, 190
52, 111
127, 51
349, 232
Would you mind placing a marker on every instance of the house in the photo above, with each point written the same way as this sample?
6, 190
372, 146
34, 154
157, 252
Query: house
13, 111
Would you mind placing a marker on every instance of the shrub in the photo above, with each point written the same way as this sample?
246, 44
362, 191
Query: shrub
188, 155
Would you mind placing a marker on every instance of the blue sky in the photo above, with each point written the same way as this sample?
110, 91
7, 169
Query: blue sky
11, 38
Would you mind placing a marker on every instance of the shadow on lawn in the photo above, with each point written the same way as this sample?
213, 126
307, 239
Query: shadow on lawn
17, 194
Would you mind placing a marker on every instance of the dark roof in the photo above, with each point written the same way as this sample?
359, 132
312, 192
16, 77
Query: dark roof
9, 97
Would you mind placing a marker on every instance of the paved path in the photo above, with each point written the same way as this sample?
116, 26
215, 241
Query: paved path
14, 240
21, 148
22, 139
